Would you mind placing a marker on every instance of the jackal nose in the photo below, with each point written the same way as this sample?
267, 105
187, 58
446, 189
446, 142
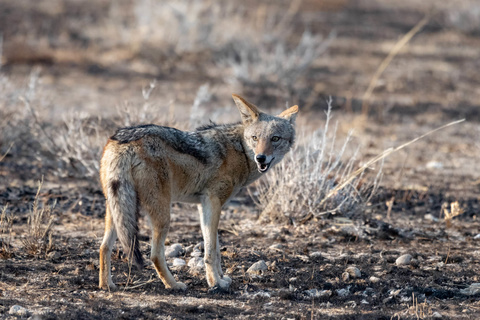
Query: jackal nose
261, 158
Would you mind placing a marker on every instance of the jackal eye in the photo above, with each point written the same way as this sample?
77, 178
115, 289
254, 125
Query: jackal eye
254, 138
275, 138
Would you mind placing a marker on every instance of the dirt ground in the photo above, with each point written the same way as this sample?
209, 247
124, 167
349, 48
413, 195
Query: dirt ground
329, 267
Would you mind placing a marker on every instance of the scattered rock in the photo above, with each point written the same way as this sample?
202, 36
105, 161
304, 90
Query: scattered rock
354, 272
315, 293
434, 165
196, 253
345, 276
316, 255
257, 268
18, 311
276, 247
477, 237
293, 279
403, 260
430, 217
173, 251
177, 262
343, 292
196, 263
54, 255
374, 279
473, 289
436, 315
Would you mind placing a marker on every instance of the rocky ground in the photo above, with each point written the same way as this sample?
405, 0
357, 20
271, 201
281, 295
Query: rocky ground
410, 253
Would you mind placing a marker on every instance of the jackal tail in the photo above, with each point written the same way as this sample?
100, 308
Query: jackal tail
122, 201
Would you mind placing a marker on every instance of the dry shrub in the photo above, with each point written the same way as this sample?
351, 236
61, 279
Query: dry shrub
40, 220
6, 222
300, 187
449, 214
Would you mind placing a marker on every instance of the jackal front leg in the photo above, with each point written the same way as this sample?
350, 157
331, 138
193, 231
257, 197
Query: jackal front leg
209, 219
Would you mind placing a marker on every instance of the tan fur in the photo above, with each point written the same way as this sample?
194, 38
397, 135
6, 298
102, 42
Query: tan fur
149, 167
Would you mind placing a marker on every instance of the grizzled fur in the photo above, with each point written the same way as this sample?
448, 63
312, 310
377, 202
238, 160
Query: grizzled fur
150, 166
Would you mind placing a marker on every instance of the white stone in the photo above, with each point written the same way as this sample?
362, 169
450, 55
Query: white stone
403, 260
343, 292
174, 250
196, 263
258, 267
473, 289
374, 279
276, 247
316, 254
177, 262
354, 272
196, 253
434, 165
17, 310
315, 293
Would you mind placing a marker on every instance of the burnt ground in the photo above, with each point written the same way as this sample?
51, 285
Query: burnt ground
431, 82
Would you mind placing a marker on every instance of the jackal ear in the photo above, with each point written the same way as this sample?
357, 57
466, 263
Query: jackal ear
290, 114
248, 111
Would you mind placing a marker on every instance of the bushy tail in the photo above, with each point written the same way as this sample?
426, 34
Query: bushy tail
123, 203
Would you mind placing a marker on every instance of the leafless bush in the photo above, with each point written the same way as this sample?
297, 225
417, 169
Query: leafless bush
270, 61
300, 187
6, 222
39, 238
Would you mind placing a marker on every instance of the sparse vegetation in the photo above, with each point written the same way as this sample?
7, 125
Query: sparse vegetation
38, 241
308, 174
72, 72
6, 222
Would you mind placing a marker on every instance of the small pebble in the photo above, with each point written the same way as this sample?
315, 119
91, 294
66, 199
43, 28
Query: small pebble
315, 293
174, 250
316, 254
54, 255
477, 237
276, 247
17, 310
374, 279
196, 263
354, 272
473, 289
436, 315
343, 292
196, 253
403, 260
258, 267
177, 262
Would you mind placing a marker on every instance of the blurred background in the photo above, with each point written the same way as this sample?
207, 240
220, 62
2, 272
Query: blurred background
74, 70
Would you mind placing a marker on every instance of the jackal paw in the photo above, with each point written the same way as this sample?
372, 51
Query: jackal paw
224, 283
107, 286
178, 286
227, 279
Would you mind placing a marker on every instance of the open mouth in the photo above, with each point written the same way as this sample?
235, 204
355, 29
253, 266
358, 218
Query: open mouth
263, 167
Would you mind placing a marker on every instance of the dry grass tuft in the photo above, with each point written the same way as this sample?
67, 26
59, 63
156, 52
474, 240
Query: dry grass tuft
299, 187
6, 222
40, 220
448, 215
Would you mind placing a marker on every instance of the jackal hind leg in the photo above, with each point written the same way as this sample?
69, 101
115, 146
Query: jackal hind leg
209, 219
160, 219
105, 277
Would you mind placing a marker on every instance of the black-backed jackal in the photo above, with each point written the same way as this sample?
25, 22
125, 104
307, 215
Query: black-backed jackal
147, 167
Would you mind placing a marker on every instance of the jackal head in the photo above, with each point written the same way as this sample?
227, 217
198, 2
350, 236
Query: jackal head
270, 137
